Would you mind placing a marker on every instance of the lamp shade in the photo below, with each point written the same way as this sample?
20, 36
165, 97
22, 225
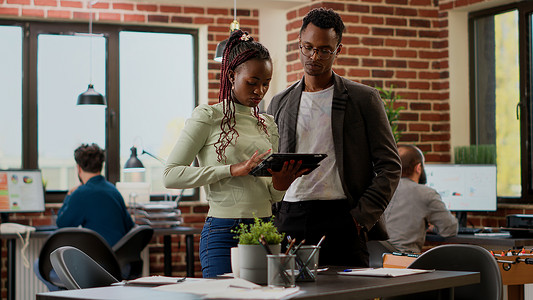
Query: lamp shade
133, 164
220, 50
91, 97
220, 47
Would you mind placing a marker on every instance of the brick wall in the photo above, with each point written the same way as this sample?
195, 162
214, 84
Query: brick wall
400, 43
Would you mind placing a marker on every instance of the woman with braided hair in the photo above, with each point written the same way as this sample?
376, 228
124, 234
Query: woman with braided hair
229, 139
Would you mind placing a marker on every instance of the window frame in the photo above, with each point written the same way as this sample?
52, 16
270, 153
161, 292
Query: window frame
111, 32
524, 10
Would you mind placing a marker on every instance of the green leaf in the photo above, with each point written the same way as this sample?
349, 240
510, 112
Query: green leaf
250, 234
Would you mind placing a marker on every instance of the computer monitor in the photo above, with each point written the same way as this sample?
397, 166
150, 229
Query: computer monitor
464, 188
21, 191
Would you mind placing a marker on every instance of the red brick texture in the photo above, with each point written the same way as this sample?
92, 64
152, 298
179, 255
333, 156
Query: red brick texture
395, 43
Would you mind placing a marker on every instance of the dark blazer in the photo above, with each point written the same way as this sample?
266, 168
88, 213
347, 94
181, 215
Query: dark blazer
365, 150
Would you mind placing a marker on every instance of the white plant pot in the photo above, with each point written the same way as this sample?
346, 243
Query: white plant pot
253, 262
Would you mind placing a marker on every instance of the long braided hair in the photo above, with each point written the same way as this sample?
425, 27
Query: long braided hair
240, 48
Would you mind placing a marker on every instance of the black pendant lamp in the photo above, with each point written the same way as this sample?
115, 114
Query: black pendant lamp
233, 26
91, 96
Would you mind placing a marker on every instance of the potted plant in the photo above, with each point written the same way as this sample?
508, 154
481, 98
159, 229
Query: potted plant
252, 254
393, 111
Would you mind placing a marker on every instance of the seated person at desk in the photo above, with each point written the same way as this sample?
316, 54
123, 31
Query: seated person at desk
415, 207
96, 203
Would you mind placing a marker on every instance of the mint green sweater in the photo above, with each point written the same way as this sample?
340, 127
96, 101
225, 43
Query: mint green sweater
228, 196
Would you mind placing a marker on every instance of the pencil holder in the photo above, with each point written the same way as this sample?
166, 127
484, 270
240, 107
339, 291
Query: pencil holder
281, 270
307, 263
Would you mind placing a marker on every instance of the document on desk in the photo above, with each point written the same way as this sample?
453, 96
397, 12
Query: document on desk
383, 272
229, 289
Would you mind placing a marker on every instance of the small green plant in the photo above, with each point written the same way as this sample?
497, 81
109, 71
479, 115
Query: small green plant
393, 113
475, 154
250, 234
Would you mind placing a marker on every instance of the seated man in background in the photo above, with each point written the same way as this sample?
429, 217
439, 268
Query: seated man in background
96, 203
415, 207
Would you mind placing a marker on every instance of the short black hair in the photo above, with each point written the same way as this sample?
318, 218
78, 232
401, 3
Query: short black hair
324, 18
90, 158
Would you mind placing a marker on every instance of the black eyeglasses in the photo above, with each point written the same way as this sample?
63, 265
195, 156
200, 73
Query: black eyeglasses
309, 51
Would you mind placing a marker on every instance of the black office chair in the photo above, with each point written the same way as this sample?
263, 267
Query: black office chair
456, 257
77, 270
376, 249
84, 239
128, 250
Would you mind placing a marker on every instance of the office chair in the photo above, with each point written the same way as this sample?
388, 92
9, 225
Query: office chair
376, 249
468, 258
84, 239
77, 270
128, 250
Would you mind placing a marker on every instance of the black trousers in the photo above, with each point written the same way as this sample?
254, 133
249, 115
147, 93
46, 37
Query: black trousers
310, 220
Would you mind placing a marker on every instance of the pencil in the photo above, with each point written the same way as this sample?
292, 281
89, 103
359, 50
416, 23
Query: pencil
290, 246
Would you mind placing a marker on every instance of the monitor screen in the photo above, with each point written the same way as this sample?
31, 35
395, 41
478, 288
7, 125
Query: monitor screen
464, 187
21, 191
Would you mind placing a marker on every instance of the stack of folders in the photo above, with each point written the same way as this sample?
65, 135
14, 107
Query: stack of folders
161, 214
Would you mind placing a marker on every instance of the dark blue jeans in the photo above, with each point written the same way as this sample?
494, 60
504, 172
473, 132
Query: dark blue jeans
215, 244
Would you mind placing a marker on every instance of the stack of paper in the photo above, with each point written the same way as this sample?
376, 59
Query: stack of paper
228, 289
383, 272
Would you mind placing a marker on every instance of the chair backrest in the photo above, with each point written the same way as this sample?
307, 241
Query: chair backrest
465, 258
128, 250
376, 249
77, 270
84, 239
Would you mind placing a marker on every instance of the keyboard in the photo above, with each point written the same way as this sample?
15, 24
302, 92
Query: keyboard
46, 228
468, 230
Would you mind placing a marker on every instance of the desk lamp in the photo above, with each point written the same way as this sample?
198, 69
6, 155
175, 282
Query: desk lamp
133, 164
233, 26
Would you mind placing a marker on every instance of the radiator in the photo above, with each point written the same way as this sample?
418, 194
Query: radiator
27, 283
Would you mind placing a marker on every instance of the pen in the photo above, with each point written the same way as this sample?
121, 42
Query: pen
298, 247
290, 247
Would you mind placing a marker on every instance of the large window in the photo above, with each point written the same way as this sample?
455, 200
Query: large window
147, 74
154, 67
63, 72
11, 99
501, 94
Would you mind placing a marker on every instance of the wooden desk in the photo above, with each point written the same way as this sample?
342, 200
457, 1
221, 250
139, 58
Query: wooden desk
487, 242
327, 286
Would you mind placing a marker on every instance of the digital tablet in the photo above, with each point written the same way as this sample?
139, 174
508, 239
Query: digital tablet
275, 162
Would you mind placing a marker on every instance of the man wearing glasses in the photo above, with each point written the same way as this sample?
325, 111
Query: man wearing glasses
324, 113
